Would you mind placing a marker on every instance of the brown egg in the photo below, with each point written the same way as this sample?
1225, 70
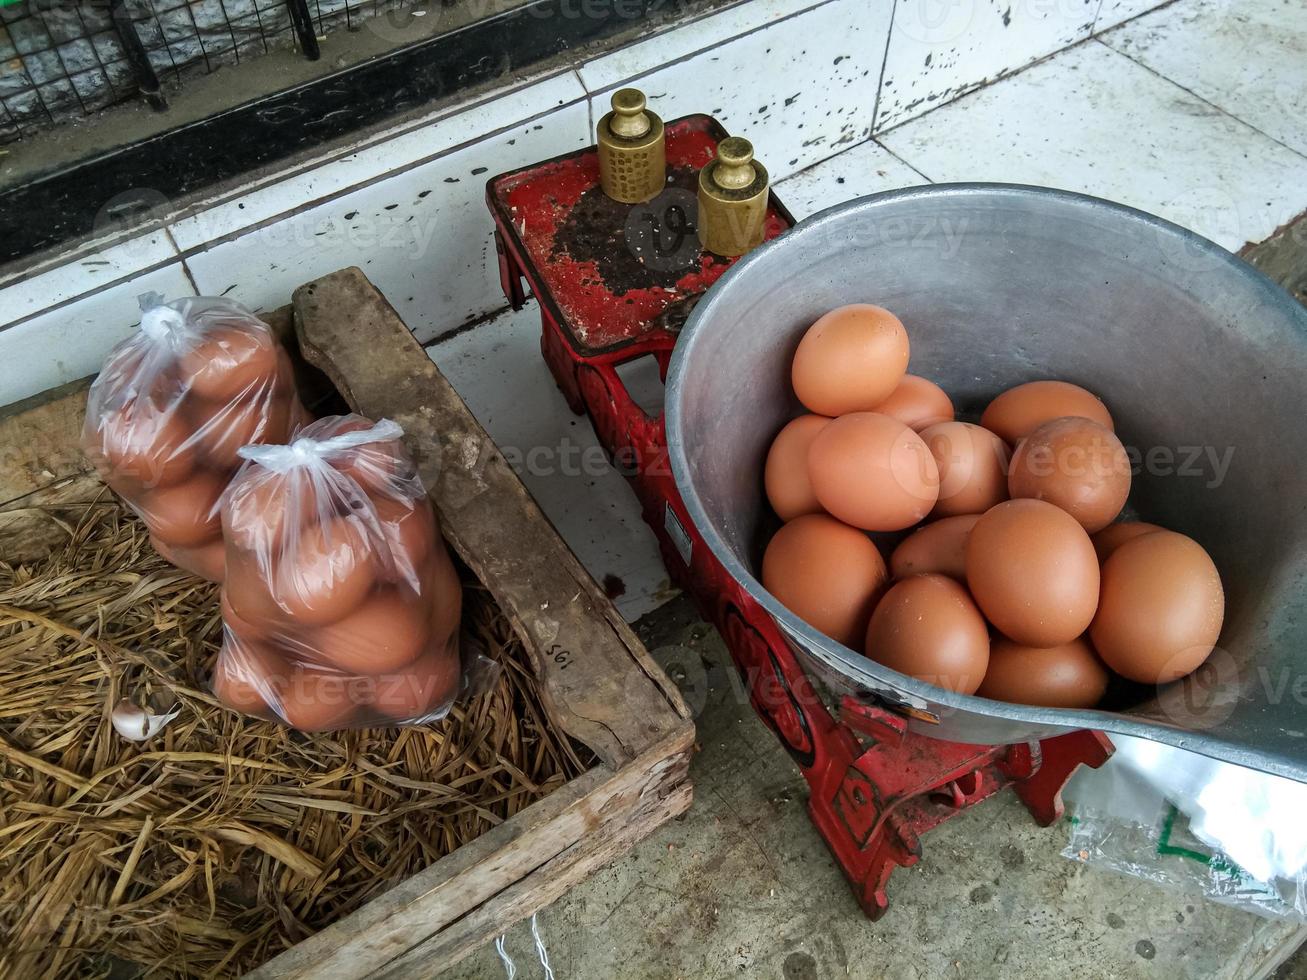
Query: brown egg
1019, 411
1161, 609
265, 510
256, 418
785, 475
972, 464
384, 633
235, 624
318, 700
850, 360
873, 472
826, 573
426, 686
185, 514
327, 573
927, 627
246, 677
228, 360
1033, 571
444, 591
409, 527
144, 445
207, 560
1066, 676
1113, 536
938, 547
1074, 464
917, 403
372, 465
248, 594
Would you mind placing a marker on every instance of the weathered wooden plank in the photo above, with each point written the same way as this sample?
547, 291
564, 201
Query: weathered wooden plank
591, 819
547, 884
34, 525
597, 679
40, 440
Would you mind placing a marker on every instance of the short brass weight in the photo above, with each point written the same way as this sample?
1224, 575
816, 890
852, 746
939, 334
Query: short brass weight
732, 199
632, 150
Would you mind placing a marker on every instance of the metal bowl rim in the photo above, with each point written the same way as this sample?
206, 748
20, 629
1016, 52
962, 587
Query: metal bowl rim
858, 668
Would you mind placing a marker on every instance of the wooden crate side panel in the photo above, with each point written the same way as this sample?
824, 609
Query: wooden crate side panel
40, 440
523, 858
600, 683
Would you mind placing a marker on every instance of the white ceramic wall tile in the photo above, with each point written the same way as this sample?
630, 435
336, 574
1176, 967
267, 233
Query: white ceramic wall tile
376, 159
71, 341
940, 49
498, 369
800, 89
1248, 57
423, 236
868, 168
1114, 12
28, 293
706, 32
1092, 120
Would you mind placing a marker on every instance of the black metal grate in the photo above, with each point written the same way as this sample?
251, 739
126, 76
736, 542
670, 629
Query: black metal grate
62, 59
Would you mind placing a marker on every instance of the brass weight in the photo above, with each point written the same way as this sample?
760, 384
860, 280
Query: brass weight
732, 199
632, 150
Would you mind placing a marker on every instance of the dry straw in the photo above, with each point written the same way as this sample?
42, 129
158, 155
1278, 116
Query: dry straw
222, 841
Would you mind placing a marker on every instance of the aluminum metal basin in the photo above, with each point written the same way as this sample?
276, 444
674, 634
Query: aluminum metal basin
1201, 359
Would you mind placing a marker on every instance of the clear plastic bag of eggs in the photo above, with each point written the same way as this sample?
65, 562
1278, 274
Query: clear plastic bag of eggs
341, 605
170, 408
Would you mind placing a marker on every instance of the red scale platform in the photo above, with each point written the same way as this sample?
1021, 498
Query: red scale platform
615, 283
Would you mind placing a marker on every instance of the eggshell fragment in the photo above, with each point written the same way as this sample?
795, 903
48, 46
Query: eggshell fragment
850, 360
827, 573
1113, 536
1075, 464
939, 547
1066, 676
1161, 609
927, 627
1033, 571
917, 403
785, 474
972, 464
1019, 411
873, 472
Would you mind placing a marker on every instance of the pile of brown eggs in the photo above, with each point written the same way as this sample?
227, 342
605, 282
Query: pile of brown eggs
163, 428
1015, 583
341, 605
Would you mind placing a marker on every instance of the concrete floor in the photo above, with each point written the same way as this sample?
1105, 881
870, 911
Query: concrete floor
742, 886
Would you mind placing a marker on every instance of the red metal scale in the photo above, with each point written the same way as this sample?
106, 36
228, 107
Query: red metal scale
614, 283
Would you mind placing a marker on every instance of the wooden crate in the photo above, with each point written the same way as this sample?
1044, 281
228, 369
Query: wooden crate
597, 681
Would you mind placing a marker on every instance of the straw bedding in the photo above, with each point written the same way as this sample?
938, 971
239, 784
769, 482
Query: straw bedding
223, 840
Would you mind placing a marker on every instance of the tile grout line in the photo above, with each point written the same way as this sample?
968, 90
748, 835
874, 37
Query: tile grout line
884, 62
186, 269
987, 83
681, 59
904, 160
1208, 102
183, 254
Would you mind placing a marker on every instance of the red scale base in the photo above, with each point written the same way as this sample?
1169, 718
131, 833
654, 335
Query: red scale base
614, 283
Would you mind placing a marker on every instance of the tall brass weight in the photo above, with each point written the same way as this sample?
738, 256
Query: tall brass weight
732, 199
632, 150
